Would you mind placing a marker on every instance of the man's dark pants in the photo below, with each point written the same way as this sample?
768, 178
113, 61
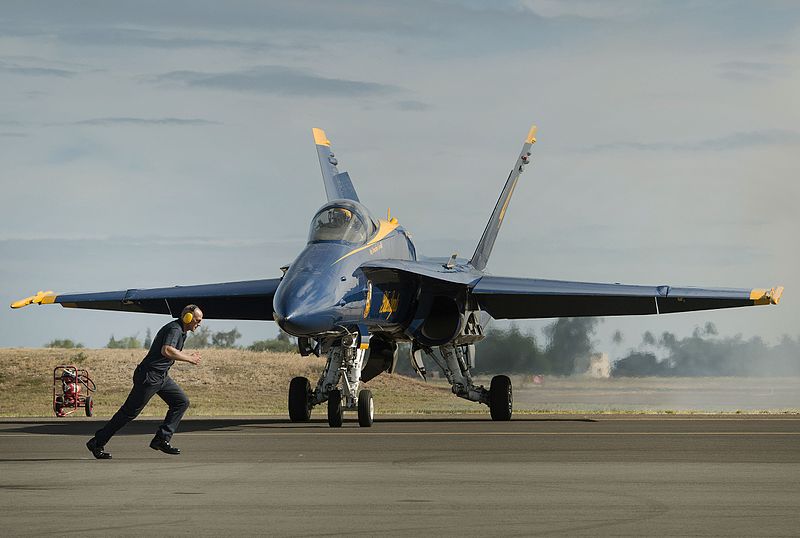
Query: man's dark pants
146, 384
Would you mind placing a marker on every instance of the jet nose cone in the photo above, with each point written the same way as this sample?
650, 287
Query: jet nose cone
305, 301
301, 319
305, 324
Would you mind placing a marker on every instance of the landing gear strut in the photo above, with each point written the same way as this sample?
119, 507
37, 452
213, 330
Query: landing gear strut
456, 361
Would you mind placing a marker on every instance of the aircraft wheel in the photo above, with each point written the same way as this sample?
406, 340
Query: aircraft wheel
335, 408
299, 408
501, 400
89, 406
366, 409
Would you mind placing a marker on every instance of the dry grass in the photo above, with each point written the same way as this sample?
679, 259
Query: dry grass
235, 382
229, 382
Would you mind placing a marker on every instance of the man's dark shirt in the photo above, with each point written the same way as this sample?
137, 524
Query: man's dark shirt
170, 334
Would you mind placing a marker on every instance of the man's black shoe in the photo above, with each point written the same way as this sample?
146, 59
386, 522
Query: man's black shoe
159, 444
97, 451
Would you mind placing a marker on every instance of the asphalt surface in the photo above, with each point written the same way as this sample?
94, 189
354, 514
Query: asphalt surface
434, 475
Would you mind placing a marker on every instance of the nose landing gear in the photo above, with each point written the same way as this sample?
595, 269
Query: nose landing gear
299, 400
343, 367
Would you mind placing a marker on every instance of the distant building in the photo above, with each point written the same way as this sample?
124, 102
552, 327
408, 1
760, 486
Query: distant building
599, 366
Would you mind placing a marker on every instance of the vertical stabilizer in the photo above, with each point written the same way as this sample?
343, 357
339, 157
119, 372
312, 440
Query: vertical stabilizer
485, 245
337, 185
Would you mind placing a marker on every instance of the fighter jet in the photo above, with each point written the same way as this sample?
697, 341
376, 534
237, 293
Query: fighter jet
358, 288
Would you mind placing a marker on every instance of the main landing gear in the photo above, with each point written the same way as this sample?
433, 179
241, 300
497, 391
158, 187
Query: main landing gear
501, 398
456, 361
344, 365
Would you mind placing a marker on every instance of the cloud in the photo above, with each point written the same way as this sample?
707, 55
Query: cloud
126, 37
98, 241
413, 106
278, 80
142, 121
36, 71
740, 71
589, 9
13, 135
751, 139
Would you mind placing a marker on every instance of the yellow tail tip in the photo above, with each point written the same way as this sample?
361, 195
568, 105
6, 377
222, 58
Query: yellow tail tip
320, 138
531, 135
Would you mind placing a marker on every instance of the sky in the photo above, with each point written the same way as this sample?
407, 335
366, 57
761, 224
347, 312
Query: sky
149, 144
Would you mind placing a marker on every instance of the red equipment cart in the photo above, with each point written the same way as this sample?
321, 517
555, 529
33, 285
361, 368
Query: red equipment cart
71, 388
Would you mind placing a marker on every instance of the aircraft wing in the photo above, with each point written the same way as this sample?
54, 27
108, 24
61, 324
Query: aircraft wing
519, 298
337, 186
250, 299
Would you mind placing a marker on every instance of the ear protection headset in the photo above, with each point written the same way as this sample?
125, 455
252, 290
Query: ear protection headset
188, 314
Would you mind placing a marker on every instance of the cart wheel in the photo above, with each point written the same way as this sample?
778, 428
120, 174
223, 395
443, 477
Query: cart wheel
89, 406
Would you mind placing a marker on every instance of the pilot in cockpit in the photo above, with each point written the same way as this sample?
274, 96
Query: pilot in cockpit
338, 224
339, 217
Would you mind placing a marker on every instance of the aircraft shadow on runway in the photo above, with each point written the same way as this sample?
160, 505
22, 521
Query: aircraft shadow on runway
149, 425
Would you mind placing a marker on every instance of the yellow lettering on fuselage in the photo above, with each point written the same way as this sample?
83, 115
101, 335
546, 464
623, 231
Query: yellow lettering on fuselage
384, 230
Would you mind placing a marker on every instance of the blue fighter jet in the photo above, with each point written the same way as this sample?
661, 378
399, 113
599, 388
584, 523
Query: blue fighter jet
359, 288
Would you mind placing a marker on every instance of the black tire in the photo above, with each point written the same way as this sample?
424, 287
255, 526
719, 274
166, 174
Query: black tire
501, 398
366, 408
89, 406
299, 407
335, 409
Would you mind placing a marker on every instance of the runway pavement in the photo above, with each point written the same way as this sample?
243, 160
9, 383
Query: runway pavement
431, 475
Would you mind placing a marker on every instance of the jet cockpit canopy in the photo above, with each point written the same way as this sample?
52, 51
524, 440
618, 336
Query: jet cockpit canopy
342, 221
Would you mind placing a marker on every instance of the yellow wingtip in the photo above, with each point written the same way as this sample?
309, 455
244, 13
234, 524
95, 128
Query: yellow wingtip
531, 135
22, 302
319, 137
775, 294
762, 296
42, 297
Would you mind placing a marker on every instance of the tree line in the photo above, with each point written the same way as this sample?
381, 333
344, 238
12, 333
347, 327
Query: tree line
567, 345
510, 351
705, 353
202, 338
